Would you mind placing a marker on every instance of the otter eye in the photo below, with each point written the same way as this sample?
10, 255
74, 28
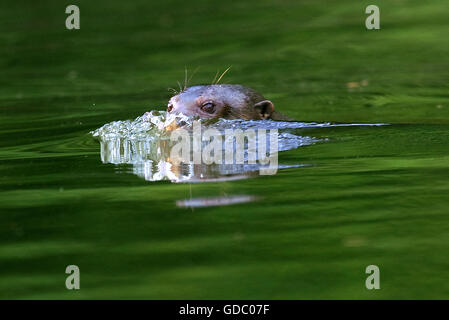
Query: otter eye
209, 107
169, 108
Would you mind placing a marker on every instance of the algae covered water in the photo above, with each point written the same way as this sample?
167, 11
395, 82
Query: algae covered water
351, 191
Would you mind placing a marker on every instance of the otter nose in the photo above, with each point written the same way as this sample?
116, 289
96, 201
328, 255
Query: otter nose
180, 108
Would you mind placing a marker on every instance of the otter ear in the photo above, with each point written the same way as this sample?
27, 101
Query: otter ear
265, 108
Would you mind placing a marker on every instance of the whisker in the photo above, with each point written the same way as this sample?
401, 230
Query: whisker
223, 74
185, 78
173, 91
215, 78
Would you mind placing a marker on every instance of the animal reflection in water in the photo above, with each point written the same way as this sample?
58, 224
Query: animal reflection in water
147, 147
153, 161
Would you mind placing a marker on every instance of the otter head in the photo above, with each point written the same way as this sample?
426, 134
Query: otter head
221, 101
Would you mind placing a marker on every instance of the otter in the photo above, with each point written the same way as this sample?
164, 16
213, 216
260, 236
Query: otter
228, 101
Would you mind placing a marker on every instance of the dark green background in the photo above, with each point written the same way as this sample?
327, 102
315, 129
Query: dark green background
372, 195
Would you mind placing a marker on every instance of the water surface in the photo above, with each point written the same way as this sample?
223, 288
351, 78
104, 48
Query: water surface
362, 195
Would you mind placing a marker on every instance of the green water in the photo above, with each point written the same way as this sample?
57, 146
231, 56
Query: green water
370, 195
